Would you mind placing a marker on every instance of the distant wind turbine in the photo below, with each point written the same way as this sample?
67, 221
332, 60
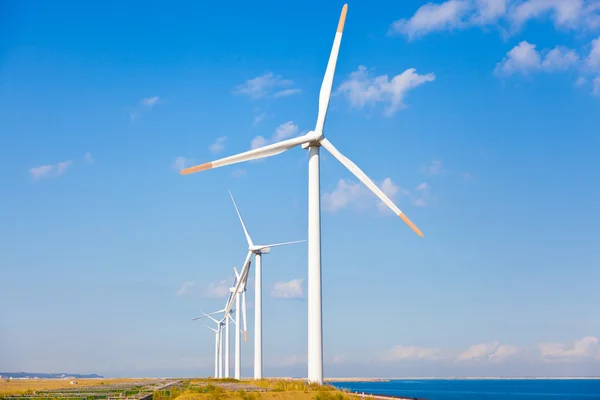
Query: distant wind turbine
258, 251
313, 141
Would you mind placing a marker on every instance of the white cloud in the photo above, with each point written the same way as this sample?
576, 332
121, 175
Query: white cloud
218, 145
351, 194
487, 351
287, 92
238, 172
522, 58
506, 14
596, 86
288, 290
435, 168
399, 353
150, 101
88, 158
593, 59
563, 12
283, 131
487, 11
420, 197
258, 118
215, 290
181, 162
560, 58
185, 288
266, 85
587, 347
361, 89
432, 17
50, 170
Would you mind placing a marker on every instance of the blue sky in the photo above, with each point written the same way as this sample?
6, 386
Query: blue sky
480, 119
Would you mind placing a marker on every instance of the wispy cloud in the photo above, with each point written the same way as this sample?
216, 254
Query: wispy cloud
215, 290
362, 89
421, 194
487, 351
150, 101
283, 131
50, 170
432, 17
238, 172
288, 290
435, 168
258, 118
186, 288
400, 353
146, 104
267, 85
354, 195
181, 162
88, 158
587, 347
218, 145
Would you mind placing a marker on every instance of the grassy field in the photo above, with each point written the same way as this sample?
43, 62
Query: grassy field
185, 389
17, 386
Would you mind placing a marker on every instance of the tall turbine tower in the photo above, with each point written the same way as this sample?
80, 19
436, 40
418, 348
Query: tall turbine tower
313, 141
241, 292
258, 251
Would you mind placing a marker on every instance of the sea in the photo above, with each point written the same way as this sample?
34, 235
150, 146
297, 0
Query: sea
482, 389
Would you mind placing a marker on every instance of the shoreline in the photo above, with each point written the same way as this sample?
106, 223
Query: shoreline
464, 378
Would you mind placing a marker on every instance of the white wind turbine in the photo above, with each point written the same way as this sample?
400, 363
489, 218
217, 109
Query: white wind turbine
312, 141
258, 251
237, 292
218, 339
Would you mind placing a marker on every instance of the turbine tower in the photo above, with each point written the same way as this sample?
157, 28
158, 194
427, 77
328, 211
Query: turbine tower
258, 251
312, 141
218, 341
241, 291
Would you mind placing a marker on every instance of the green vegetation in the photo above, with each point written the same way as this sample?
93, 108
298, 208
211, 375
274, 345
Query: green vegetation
185, 389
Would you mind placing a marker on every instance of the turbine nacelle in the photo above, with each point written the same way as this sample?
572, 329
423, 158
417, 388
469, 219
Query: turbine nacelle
313, 139
260, 249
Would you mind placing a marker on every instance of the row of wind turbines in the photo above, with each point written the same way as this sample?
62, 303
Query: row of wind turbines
313, 141
237, 293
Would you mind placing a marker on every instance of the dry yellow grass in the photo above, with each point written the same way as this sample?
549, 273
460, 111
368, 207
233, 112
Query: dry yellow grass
17, 386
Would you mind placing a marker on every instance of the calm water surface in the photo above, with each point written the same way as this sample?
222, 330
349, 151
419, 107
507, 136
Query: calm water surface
526, 389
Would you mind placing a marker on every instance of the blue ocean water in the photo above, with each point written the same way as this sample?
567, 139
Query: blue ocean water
470, 389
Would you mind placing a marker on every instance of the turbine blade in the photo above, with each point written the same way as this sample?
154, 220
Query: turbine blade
244, 272
205, 314
325, 94
248, 239
237, 275
369, 183
254, 154
284, 243
214, 330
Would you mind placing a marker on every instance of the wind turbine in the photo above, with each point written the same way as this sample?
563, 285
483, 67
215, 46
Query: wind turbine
258, 251
312, 141
218, 340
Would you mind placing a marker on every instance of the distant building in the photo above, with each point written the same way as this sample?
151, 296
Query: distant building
73, 382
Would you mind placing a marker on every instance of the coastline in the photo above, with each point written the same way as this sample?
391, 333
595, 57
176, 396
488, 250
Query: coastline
464, 378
